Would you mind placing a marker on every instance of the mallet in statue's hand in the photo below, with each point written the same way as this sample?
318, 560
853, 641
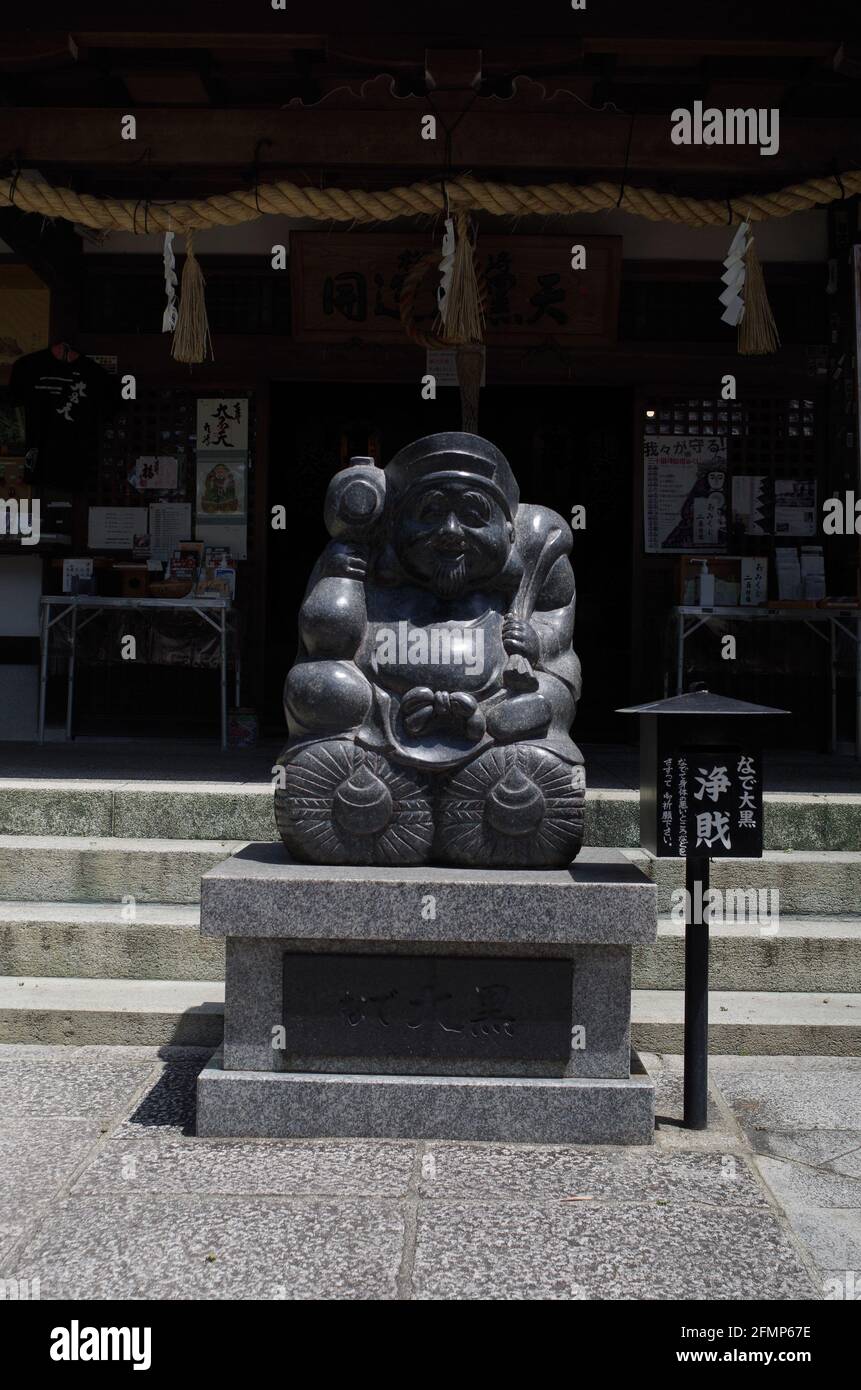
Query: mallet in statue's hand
518, 635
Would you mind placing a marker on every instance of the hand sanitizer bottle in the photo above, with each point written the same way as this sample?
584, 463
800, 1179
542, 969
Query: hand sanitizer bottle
706, 586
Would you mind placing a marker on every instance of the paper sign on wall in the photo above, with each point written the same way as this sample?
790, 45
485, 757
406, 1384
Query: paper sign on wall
221, 508
114, 528
684, 493
169, 523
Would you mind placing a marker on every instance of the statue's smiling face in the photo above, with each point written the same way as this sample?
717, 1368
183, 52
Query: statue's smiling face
452, 536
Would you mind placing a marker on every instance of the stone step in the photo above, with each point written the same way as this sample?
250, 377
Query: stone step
94, 941
48, 868
55, 868
151, 1013
244, 811
811, 883
163, 942
756, 1024
805, 953
190, 1012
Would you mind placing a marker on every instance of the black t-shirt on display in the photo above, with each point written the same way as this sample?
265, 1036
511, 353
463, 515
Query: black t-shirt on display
63, 402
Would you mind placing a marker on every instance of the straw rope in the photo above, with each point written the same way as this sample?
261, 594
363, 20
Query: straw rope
360, 205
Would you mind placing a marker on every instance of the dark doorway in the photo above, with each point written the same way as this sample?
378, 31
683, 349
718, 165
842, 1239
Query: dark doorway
569, 446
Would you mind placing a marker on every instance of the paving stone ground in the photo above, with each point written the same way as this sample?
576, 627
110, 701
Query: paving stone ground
107, 1193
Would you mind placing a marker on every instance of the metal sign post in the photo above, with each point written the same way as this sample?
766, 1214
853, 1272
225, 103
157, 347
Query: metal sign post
700, 799
696, 1080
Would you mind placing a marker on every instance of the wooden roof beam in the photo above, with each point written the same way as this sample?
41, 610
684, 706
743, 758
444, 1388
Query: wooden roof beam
491, 136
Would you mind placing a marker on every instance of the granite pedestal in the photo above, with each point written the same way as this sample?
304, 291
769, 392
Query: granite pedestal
427, 1003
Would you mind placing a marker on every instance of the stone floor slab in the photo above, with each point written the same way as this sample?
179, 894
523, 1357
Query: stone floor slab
491, 1172
19, 1215
832, 1236
68, 1087
518, 1251
231, 1248
838, 1150
797, 1185
169, 1101
789, 1099
36, 1155
669, 1101
328, 1168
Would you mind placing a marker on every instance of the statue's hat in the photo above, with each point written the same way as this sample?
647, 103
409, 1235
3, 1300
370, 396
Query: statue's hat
456, 457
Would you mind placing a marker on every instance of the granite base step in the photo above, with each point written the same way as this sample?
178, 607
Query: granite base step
191, 1012
499, 1109
163, 942
49, 868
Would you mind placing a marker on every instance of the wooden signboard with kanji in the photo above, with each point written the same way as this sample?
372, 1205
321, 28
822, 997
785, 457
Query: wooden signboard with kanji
347, 285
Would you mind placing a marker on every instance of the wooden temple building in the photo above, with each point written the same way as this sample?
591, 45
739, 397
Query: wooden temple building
314, 150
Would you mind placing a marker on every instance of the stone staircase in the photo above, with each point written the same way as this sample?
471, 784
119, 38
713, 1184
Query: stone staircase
100, 885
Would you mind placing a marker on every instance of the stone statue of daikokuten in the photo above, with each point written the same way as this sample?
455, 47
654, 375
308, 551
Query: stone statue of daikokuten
435, 681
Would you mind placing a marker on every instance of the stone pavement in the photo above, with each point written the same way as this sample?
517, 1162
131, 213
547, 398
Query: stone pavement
107, 1194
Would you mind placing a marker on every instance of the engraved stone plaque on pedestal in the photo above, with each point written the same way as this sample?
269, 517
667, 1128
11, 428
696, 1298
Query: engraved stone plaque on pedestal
435, 1008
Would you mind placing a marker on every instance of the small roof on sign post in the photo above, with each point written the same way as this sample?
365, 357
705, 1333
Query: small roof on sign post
700, 702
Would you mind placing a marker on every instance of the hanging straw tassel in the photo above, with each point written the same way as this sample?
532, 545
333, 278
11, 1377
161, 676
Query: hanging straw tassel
464, 319
757, 331
191, 341
464, 323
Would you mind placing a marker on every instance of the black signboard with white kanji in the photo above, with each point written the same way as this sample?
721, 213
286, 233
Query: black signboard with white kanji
709, 801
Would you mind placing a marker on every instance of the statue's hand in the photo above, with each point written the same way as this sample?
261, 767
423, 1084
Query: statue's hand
519, 717
417, 709
422, 709
520, 638
346, 562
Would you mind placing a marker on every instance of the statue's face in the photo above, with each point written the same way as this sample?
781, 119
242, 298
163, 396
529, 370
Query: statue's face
452, 536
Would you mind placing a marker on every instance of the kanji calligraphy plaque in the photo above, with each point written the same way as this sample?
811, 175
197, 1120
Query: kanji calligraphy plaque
427, 1006
348, 285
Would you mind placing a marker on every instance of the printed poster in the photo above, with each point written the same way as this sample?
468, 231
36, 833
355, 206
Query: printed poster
221, 508
684, 493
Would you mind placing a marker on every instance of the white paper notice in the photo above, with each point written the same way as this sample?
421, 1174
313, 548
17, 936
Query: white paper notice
75, 569
441, 364
750, 506
169, 523
114, 528
754, 581
794, 507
